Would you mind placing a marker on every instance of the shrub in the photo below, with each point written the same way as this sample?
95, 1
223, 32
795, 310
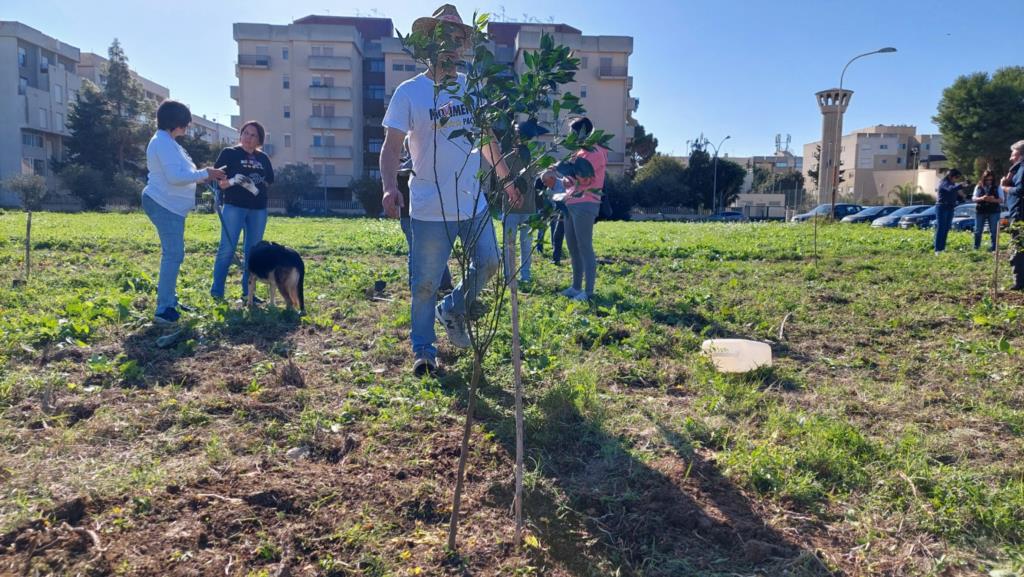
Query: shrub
88, 184
369, 193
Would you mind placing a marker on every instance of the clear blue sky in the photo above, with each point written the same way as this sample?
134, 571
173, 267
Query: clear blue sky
743, 68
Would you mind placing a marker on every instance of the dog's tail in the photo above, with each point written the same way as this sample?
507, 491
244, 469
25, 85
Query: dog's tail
302, 276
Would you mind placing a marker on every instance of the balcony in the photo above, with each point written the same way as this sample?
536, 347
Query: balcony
254, 61
234, 93
330, 93
335, 180
335, 122
612, 72
342, 152
330, 63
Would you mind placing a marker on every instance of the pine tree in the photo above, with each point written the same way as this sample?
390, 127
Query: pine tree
89, 123
129, 109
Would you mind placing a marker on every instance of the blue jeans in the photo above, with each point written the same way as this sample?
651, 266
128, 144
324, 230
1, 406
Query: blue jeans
979, 226
233, 220
520, 222
446, 277
431, 247
943, 222
170, 227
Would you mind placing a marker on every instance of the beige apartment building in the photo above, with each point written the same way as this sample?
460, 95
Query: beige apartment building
93, 67
321, 85
876, 159
38, 80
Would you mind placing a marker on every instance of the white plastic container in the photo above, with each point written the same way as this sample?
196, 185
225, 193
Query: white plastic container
737, 355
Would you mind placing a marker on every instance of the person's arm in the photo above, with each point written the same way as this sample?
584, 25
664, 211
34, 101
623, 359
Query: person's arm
178, 168
979, 194
390, 161
492, 154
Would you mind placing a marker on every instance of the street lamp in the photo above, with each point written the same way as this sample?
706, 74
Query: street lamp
836, 150
714, 189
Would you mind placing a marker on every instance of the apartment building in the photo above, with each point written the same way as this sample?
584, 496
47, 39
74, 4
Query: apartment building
38, 80
876, 159
93, 67
218, 135
321, 85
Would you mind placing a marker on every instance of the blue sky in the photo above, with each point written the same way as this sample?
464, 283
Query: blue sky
744, 68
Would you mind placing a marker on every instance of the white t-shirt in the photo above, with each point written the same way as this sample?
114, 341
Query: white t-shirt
455, 192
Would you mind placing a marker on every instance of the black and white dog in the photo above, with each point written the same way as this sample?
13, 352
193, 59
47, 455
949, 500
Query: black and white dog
282, 268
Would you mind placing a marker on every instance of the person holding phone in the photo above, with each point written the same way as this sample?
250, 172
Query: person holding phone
169, 195
244, 196
988, 201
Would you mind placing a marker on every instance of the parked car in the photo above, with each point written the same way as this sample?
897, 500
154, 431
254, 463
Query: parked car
870, 213
728, 216
893, 218
824, 210
922, 219
963, 217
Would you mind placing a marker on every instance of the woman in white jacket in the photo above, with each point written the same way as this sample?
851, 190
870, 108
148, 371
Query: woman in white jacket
169, 194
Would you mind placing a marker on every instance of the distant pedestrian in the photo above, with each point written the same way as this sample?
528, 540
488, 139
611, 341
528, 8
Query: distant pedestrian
169, 194
988, 201
947, 195
583, 201
1013, 189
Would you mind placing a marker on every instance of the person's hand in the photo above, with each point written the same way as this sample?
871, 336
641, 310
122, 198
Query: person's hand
215, 173
515, 200
393, 203
1007, 180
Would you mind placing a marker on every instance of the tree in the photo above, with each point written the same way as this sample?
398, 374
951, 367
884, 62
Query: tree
30, 188
641, 149
661, 182
620, 193
816, 170
980, 116
910, 193
89, 124
127, 106
368, 191
295, 181
700, 179
86, 183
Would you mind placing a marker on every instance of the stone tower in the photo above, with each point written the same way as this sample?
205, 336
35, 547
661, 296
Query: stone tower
833, 103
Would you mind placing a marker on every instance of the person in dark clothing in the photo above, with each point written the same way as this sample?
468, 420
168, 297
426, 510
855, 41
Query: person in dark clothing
988, 201
1013, 190
554, 186
947, 196
243, 196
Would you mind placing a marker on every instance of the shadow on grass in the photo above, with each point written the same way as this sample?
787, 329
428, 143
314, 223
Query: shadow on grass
599, 509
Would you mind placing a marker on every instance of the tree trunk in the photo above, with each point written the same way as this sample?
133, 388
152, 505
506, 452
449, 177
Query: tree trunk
453, 527
28, 246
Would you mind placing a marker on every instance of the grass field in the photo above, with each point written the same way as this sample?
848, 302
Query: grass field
886, 440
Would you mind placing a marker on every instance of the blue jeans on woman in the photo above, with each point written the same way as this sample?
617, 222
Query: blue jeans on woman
233, 220
519, 222
431, 246
979, 225
170, 227
943, 222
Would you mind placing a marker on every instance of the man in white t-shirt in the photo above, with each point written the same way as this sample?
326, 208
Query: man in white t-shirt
446, 200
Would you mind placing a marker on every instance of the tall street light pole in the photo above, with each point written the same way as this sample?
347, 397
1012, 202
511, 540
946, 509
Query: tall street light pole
836, 148
714, 188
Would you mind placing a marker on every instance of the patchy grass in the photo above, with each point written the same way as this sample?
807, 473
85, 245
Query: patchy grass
885, 440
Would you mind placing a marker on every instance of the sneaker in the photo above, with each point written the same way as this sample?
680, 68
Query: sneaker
570, 293
582, 297
455, 325
168, 316
424, 366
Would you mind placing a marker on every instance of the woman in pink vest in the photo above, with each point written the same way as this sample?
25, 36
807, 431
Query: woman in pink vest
583, 201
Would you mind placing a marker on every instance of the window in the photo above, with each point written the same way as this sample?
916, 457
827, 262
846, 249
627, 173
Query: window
410, 68
318, 140
884, 161
328, 81
262, 50
374, 145
375, 92
44, 65
317, 51
44, 118
22, 85
928, 146
287, 111
39, 166
606, 62
376, 65
329, 169
583, 91
903, 146
374, 173
59, 122
286, 82
899, 161
284, 54
397, 67
883, 147
329, 110
58, 93
318, 110
328, 140
584, 62
22, 57
29, 139
328, 51
316, 81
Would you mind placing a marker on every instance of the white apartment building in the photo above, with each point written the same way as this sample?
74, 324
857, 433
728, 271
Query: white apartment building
218, 135
876, 159
321, 84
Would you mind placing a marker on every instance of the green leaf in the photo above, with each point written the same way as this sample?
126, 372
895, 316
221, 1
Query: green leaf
1004, 345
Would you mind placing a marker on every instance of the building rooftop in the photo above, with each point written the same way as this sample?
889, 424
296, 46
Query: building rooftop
504, 33
369, 28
